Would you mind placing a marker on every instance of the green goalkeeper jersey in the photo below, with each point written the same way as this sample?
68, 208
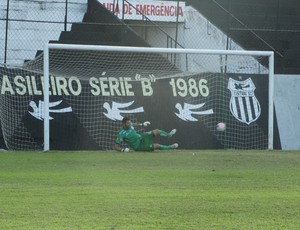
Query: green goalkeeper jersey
129, 136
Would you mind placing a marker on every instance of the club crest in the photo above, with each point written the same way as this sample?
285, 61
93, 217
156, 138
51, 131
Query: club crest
244, 106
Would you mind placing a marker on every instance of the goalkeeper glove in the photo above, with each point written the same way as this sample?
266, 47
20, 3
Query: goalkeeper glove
146, 123
125, 150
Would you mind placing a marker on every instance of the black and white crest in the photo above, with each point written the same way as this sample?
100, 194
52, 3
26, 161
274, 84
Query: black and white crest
244, 106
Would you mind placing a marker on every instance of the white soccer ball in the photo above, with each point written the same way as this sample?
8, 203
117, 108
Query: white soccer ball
221, 127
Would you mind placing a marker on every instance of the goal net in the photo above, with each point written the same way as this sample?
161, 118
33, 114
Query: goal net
91, 88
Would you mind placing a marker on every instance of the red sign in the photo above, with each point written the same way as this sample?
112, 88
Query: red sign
164, 11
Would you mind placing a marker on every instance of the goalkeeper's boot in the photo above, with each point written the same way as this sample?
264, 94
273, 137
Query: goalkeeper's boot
174, 146
173, 131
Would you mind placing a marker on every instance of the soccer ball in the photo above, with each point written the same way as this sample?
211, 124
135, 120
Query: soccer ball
221, 127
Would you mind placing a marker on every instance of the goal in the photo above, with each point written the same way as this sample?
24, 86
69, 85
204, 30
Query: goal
80, 93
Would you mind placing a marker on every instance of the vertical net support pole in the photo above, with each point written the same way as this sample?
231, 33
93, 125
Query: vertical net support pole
46, 100
271, 102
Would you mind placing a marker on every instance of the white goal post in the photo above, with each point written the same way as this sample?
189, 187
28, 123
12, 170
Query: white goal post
220, 54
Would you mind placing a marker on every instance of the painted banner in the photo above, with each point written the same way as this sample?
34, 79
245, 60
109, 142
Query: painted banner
87, 113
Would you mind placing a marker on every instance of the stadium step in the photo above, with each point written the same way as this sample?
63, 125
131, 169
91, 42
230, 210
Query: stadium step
98, 13
125, 38
95, 37
84, 42
96, 27
39, 52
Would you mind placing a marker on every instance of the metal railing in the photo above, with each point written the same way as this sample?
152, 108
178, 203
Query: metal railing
170, 41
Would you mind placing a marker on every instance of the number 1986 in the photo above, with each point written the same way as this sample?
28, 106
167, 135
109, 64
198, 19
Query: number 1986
189, 87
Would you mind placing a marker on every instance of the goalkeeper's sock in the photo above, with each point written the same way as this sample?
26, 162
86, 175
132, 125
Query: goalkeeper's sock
164, 133
164, 147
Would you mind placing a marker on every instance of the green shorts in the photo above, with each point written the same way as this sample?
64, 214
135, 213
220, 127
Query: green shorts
146, 142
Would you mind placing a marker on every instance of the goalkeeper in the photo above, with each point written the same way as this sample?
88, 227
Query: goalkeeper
141, 142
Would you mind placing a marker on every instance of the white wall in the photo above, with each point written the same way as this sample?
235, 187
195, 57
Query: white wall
287, 106
25, 37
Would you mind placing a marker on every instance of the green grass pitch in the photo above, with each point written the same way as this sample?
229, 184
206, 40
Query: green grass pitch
182, 189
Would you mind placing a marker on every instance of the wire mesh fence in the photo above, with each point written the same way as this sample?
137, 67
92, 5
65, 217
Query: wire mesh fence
27, 25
